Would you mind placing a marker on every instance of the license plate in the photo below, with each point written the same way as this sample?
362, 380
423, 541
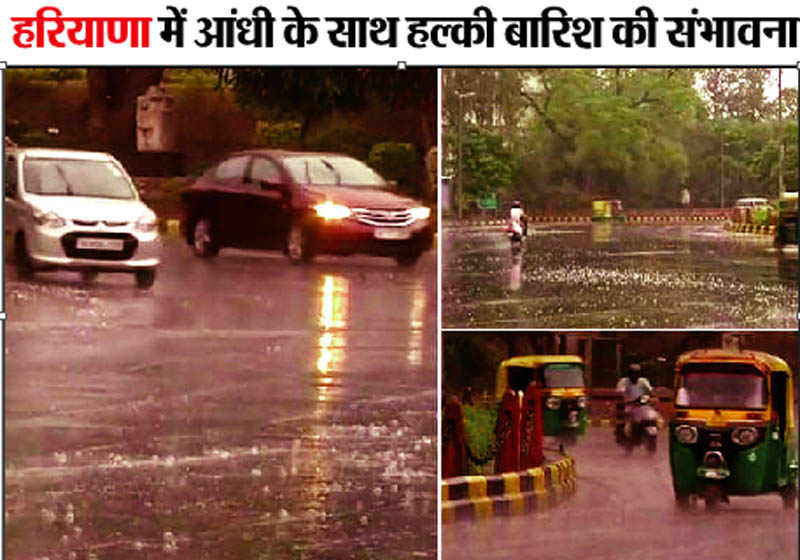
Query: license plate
96, 244
392, 234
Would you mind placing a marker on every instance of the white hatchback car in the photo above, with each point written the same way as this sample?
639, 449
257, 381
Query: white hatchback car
77, 210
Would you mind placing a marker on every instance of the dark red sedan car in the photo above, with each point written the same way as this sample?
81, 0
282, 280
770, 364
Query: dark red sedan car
304, 204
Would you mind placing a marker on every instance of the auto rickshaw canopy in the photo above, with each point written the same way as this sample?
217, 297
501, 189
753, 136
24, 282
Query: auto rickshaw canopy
767, 364
533, 362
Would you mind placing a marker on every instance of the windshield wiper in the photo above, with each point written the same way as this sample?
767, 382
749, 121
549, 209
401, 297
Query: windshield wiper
63, 176
335, 171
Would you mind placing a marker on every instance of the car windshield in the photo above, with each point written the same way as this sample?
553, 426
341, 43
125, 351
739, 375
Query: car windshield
563, 375
76, 177
332, 170
723, 388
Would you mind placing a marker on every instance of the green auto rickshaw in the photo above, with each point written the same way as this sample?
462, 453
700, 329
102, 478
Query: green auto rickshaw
607, 210
733, 432
562, 383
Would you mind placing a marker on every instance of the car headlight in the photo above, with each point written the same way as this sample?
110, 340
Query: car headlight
421, 213
686, 434
553, 402
582, 402
744, 436
48, 219
147, 222
331, 211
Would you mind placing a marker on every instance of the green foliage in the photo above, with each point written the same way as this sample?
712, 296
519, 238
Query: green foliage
284, 134
635, 134
396, 161
487, 166
16, 76
479, 423
191, 77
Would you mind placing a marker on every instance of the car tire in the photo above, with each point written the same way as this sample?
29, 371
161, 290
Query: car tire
89, 276
299, 245
145, 278
407, 260
204, 242
22, 259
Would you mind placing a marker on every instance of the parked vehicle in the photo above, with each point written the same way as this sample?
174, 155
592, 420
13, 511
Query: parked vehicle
637, 424
563, 387
77, 210
755, 210
607, 210
305, 204
786, 229
733, 432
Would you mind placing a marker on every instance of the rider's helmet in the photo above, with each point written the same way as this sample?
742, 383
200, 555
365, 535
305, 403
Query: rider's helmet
634, 371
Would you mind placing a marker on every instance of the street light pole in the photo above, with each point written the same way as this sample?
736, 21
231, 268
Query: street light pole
721, 174
460, 182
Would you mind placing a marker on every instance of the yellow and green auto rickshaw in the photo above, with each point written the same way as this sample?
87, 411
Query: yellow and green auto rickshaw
606, 210
733, 432
563, 387
786, 228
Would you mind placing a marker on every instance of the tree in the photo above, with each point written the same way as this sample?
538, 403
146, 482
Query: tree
306, 95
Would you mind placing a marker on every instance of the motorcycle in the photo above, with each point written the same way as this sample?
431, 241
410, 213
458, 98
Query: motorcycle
637, 424
515, 232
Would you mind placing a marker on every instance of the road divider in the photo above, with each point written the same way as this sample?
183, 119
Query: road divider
751, 228
516, 493
630, 219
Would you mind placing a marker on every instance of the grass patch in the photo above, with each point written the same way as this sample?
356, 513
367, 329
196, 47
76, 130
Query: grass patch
479, 422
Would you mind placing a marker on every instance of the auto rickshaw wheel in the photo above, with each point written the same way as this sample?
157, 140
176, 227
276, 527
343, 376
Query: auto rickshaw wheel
570, 437
652, 445
713, 495
683, 499
789, 496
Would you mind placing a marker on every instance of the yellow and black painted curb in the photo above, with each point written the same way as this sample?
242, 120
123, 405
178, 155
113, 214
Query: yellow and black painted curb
581, 219
516, 493
751, 228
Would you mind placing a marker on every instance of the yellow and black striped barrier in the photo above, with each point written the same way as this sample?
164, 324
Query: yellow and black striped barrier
516, 493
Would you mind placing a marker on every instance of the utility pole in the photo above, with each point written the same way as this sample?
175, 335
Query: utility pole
782, 150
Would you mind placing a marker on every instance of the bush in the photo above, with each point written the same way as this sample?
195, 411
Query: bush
284, 134
479, 422
396, 161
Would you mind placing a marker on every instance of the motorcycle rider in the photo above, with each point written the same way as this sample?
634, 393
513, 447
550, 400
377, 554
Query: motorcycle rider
630, 387
518, 223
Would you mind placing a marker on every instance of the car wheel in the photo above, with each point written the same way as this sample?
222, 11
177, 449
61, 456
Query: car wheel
89, 276
299, 246
408, 259
22, 259
145, 278
203, 241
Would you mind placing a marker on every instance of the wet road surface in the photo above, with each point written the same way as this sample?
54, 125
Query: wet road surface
242, 408
617, 276
624, 509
